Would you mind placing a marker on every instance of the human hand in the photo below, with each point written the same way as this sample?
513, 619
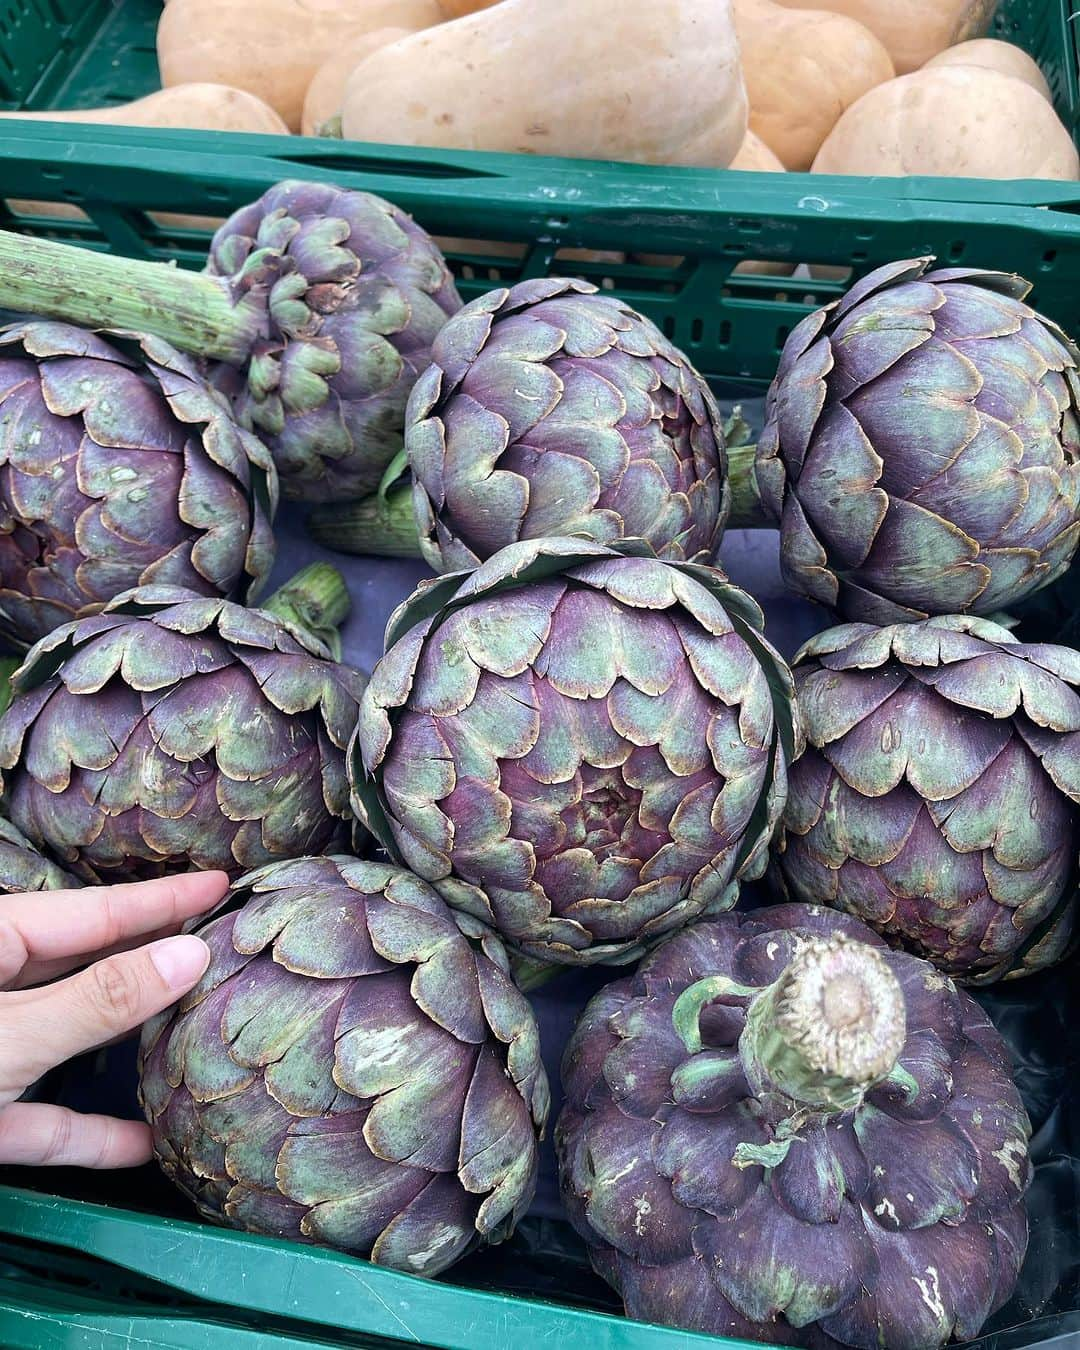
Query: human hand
46, 935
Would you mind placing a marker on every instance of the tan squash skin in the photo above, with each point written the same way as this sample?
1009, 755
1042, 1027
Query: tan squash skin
326, 92
913, 30
960, 121
803, 70
991, 54
755, 156
455, 9
602, 79
201, 107
275, 49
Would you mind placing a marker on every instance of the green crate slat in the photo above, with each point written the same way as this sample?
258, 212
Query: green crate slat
731, 326
283, 1280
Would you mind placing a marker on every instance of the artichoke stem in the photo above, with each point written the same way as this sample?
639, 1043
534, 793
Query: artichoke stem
829, 1029
194, 312
747, 511
315, 600
379, 525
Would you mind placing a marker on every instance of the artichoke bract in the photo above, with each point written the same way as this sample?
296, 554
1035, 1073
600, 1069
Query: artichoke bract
922, 450
22, 867
120, 467
778, 1129
552, 409
172, 731
316, 314
939, 795
353, 1069
583, 749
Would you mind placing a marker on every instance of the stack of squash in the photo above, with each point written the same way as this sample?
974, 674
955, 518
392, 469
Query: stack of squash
836, 86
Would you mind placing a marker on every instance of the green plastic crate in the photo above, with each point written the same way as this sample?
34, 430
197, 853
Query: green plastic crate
265, 1293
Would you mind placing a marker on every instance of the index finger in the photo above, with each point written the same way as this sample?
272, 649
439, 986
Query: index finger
51, 925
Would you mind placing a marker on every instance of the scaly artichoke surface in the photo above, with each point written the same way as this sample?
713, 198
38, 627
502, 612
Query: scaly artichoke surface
922, 450
555, 409
173, 731
939, 795
22, 867
778, 1129
583, 749
120, 467
351, 1070
349, 293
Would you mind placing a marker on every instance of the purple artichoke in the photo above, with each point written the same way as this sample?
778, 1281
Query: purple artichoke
315, 315
584, 750
350, 293
172, 731
922, 449
778, 1129
351, 1070
22, 867
551, 409
939, 796
119, 467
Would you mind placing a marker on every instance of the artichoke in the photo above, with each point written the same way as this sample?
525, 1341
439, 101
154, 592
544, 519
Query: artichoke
173, 731
551, 409
22, 867
119, 467
316, 313
351, 1070
938, 796
581, 749
922, 451
776, 1129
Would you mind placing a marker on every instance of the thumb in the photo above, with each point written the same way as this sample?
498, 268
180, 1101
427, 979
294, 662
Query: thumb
42, 1027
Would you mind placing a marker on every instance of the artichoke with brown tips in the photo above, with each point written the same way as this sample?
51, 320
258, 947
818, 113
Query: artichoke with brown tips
939, 795
922, 450
172, 731
355, 1068
582, 749
120, 467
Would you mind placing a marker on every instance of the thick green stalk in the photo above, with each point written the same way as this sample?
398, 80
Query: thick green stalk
315, 600
194, 312
747, 512
379, 525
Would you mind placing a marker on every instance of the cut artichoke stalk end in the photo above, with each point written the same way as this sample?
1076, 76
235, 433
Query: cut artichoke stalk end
829, 1029
316, 601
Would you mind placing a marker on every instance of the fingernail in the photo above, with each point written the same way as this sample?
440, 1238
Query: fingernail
180, 960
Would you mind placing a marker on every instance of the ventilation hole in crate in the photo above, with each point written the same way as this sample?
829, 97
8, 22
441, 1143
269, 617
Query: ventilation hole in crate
724, 339
697, 330
957, 249
170, 220
667, 325
23, 211
1049, 258
782, 335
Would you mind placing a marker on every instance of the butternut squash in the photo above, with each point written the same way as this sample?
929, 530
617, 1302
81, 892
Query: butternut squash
456, 9
755, 156
326, 92
991, 54
201, 107
961, 121
912, 30
605, 79
802, 71
273, 49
